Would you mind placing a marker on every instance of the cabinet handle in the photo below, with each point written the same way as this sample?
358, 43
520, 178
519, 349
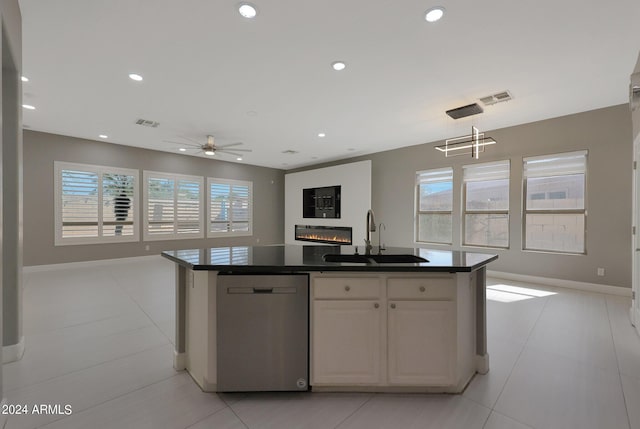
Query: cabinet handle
347, 288
393, 306
376, 305
422, 289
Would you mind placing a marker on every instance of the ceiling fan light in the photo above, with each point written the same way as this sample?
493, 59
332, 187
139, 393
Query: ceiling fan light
209, 152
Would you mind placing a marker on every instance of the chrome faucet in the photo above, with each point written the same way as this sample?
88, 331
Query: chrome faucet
371, 227
380, 242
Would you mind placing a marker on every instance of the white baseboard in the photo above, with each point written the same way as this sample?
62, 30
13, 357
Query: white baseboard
482, 363
179, 361
569, 284
3, 417
13, 352
84, 264
635, 318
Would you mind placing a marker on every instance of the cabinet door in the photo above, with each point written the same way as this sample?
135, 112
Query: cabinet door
346, 342
421, 340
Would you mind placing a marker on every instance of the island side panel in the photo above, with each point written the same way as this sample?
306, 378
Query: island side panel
482, 357
200, 328
181, 313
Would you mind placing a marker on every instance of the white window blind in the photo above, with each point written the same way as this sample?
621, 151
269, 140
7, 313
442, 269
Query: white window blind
486, 171
95, 204
433, 176
230, 207
173, 206
556, 165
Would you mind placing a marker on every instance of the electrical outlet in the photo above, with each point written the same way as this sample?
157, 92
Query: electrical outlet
146, 247
601, 271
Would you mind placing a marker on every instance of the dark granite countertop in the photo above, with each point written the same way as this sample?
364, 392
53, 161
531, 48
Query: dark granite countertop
297, 258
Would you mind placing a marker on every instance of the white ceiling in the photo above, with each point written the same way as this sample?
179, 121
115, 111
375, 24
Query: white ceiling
268, 82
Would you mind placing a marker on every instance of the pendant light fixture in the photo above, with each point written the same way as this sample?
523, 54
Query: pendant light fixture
473, 144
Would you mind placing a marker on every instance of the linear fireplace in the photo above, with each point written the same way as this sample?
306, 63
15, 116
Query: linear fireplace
324, 234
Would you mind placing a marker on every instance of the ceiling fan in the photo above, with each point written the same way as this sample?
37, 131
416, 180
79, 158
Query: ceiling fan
210, 148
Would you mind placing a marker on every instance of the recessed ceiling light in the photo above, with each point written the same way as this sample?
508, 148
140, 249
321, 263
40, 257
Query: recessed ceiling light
182, 149
25, 79
239, 158
321, 135
135, 77
434, 14
103, 136
338, 65
209, 152
247, 10
28, 107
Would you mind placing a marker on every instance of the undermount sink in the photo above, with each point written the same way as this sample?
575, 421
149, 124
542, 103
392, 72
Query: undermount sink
337, 257
367, 259
397, 259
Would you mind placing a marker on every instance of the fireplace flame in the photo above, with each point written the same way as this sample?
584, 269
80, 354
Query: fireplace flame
319, 237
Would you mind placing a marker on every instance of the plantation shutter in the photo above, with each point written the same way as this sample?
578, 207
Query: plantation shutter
79, 204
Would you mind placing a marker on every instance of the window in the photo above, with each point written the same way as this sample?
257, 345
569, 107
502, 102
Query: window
95, 204
434, 193
486, 204
554, 206
173, 206
230, 207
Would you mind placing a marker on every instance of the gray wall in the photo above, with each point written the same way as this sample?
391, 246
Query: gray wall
11, 200
41, 150
11, 24
605, 133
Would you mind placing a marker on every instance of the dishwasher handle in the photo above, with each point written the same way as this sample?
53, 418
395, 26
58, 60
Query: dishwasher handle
261, 290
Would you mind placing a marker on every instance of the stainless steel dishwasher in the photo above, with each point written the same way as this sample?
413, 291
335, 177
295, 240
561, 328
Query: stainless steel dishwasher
263, 332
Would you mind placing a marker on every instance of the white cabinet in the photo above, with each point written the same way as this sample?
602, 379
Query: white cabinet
345, 337
346, 342
389, 330
421, 349
421, 330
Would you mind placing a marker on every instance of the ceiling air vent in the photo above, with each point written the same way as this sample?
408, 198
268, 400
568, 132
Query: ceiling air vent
499, 97
464, 111
290, 152
147, 123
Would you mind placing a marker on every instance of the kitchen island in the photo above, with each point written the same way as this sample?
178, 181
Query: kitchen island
373, 326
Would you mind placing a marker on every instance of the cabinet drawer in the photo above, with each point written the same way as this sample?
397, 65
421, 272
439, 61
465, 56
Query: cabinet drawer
434, 288
347, 288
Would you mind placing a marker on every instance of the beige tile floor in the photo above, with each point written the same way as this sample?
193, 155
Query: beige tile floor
100, 340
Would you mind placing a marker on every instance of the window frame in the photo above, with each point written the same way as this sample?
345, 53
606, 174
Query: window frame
466, 212
175, 235
100, 170
418, 212
526, 211
229, 232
